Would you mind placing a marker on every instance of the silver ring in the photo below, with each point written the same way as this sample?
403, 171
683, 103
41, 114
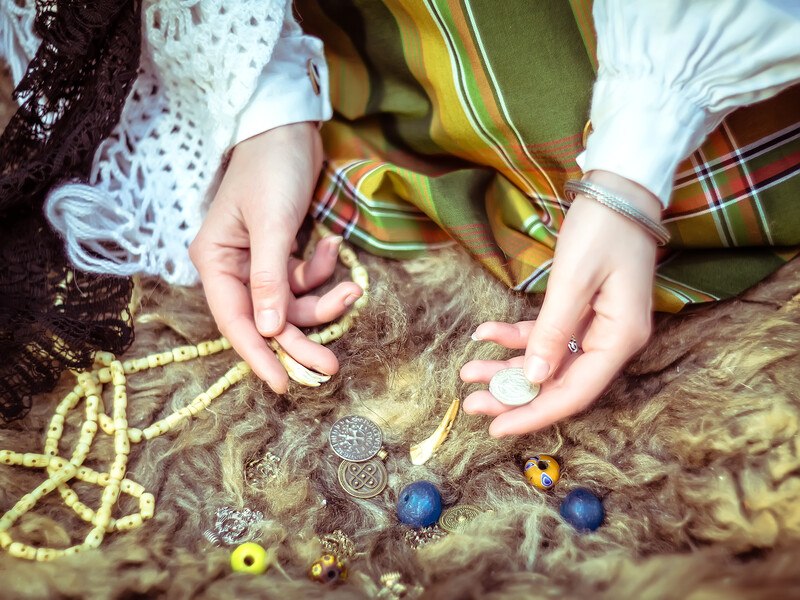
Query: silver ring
573, 345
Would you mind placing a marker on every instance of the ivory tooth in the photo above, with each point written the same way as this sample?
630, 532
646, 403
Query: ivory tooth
297, 372
422, 451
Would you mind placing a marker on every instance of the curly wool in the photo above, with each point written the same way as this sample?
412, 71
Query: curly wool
694, 450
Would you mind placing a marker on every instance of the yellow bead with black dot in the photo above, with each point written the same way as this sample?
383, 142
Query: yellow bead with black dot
250, 558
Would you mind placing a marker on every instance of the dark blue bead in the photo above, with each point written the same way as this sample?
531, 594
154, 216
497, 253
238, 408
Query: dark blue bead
419, 504
583, 510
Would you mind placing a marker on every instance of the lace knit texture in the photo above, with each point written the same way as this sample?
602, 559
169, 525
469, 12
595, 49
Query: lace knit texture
70, 95
143, 203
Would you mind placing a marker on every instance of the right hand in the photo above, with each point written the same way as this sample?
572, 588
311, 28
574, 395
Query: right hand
243, 254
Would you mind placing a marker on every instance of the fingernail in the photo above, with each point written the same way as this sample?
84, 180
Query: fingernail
351, 299
536, 369
335, 242
476, 338
268, 321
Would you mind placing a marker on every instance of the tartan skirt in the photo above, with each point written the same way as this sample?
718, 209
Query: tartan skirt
459, 122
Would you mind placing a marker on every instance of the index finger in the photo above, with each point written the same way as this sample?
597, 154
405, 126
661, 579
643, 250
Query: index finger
582, 382
229, 300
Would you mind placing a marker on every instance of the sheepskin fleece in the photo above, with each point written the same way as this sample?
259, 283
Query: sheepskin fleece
694, 450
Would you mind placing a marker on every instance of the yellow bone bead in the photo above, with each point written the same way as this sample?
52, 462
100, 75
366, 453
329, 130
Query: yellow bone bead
121, 443
103, 358
131, 487
217, 389
72, 550
142, 364
120, 424
226, 345
147, 505
182, 353
23, 505
185, 413
172, 420
57, 463
56, 426
20, 550
102, 516
129, 522
118, 468
83, 511
360, 277
103, 479
80, 452
195, 408
129, 366
86, 474
94, 537
69, 496
7, 520
348, 257
8, 457
5, 540
51, 447
106, 423
104, 375
68, 403
159, 359
361, 302
30, 459
135, 435
208, 348
46, 554
204, 399
117, 374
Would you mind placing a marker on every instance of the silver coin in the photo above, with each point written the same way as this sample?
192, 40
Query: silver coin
355, 438
512, 388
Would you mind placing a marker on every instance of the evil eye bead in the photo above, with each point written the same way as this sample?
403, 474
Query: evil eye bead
328, 569
542, 471
249, 558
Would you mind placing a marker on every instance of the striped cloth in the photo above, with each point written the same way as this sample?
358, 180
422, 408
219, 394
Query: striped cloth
459, 122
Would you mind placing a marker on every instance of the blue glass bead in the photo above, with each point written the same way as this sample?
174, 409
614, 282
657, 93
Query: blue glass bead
419, 504
583, 510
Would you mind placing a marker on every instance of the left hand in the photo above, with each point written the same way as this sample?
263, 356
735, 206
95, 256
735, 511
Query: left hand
600, 290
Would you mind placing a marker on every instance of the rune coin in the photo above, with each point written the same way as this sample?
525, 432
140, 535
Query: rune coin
363, 479
355, 438
512, 388
454, 519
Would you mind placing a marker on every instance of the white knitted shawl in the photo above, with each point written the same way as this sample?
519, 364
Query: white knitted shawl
150, 179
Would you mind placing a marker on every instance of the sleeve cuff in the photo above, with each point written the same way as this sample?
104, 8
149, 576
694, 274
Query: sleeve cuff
292, 88
642, 131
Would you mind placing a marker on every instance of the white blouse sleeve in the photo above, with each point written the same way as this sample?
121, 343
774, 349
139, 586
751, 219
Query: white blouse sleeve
669, 72
293, 87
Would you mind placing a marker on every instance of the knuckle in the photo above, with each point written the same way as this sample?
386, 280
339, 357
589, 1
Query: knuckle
636, 332
266, 282
551, 337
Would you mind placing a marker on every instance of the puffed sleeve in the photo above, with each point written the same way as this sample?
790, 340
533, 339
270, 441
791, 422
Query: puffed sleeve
669, 72
292, 88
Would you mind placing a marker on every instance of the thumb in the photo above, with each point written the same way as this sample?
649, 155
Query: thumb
558, 320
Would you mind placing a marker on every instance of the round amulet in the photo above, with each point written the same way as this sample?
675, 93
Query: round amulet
328, 569
542, 471
583, 510
419, 504
249, 558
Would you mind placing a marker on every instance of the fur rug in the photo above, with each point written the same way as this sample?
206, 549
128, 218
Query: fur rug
694, 449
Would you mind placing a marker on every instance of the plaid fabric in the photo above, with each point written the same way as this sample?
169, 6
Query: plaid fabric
459, 122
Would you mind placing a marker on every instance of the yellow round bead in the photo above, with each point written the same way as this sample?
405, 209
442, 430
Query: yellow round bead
250, 558
542, 471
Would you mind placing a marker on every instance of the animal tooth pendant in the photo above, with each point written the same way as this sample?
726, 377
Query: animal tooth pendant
422, 452
297, 372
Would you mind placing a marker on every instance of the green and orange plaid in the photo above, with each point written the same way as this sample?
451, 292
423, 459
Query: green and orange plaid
459, 122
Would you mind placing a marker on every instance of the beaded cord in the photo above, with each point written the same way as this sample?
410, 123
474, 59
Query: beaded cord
107, 370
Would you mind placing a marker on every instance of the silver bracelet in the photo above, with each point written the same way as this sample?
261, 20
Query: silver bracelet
617, 204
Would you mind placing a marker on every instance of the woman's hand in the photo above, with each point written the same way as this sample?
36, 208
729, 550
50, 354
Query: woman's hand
243, 249
600, 291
